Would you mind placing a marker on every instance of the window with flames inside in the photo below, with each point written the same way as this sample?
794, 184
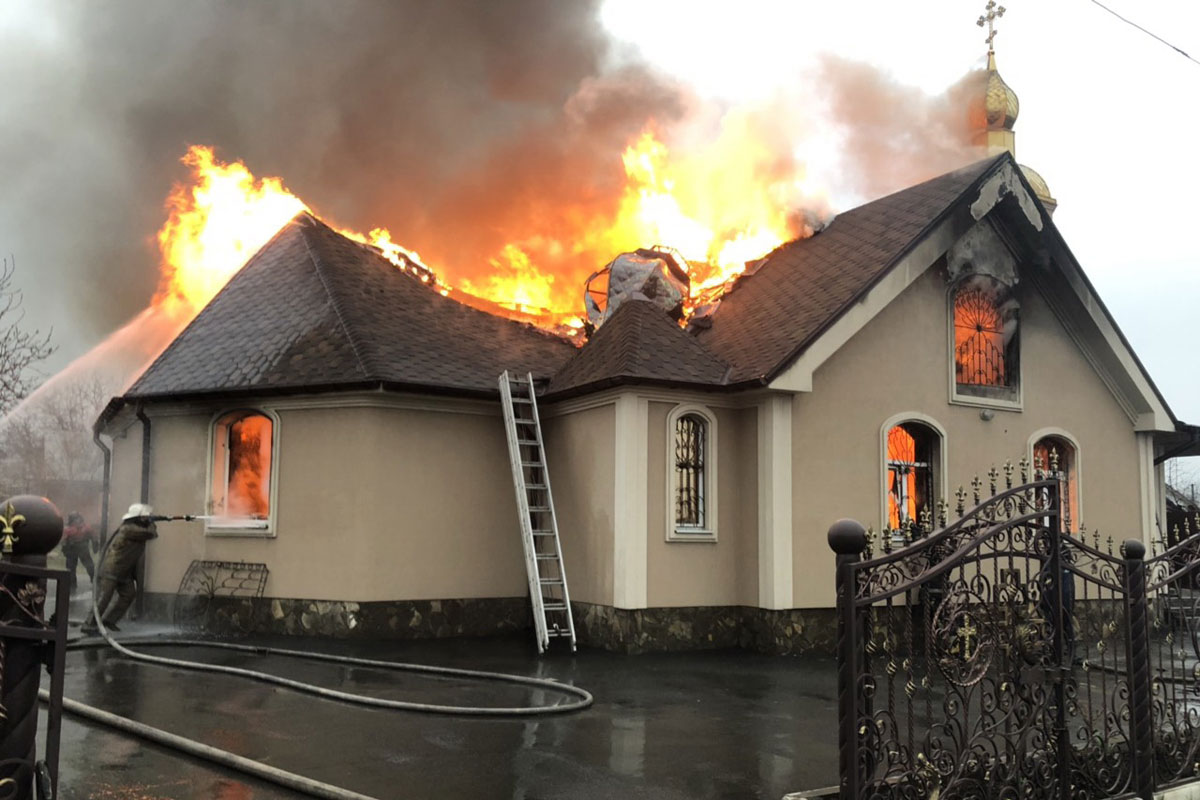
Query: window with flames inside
1056, 454
911, 453
241, 480
985, 341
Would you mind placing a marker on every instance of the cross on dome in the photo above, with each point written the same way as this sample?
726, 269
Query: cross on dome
994, 13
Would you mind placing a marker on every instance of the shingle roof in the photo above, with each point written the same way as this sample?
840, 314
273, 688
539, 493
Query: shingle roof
805, 285
639, 343
313, 309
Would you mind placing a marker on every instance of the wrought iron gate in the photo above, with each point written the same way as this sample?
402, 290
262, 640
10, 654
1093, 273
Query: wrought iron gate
1003, 655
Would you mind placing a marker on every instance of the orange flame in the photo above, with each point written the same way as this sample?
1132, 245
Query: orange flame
720, 205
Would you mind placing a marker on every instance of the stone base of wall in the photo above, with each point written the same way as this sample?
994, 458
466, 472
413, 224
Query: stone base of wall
793, 631
393, 619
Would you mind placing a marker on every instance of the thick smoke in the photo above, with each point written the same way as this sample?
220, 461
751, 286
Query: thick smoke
894, 136
452, 123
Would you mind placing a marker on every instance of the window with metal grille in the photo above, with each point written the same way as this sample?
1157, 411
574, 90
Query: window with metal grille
691, 443
911, 451
1056, 454
978, 339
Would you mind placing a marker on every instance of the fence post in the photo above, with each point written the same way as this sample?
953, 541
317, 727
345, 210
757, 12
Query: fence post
32, 526
848, 539
1137, 648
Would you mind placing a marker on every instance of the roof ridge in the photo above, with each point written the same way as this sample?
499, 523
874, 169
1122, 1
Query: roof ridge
989, 165
319, 267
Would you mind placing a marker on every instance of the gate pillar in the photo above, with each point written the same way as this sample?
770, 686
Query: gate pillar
1137, 626
29, 528
848, 539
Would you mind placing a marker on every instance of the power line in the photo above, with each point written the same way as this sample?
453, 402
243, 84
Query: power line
1148, 33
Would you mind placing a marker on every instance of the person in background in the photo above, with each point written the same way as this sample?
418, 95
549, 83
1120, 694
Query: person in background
78, 542
119, 567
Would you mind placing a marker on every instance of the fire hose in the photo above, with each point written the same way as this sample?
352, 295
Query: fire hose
582, 698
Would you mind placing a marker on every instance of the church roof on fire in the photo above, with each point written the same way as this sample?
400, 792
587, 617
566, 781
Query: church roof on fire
804, 286
639, 342
313, 310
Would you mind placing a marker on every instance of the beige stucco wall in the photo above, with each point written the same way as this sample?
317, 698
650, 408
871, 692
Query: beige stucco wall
580, 455
373, 503
899, 362
723, 572
125, 476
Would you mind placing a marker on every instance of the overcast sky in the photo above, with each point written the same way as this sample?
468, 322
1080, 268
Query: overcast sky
101, 99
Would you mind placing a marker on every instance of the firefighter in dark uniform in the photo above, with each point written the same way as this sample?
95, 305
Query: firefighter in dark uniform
118, 570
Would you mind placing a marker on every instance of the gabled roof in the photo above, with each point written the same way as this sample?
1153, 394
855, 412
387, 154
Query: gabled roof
639, 343
314, 310
805, 285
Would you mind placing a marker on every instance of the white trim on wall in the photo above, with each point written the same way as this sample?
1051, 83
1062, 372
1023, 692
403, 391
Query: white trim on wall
775, 489
707, 533
1061, 433
1148, 475
631, 457
940, 475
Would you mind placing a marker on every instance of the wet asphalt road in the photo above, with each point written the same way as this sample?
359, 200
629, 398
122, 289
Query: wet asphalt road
701, 725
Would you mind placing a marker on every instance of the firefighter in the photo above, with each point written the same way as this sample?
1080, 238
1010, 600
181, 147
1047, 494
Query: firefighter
118, 569
78, 542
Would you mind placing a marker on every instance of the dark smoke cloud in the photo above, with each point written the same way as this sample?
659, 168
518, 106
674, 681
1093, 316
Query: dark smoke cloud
452, 123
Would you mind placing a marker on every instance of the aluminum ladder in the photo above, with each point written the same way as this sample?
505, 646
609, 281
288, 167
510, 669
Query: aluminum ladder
535, 506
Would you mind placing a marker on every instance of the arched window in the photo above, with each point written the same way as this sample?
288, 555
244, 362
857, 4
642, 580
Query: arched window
691, 474
691, 451
1056, 452
912, 456
985, 339
243, 449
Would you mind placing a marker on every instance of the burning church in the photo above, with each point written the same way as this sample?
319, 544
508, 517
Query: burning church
339, 420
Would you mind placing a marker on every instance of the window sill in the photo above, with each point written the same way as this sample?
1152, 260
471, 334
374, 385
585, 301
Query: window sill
241, 531
692, 535
1014, 403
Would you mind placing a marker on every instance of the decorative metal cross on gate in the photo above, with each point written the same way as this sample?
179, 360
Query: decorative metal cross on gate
994, 13
965, 633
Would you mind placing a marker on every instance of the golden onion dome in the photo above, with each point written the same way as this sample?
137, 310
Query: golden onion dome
996, 106
1040, 187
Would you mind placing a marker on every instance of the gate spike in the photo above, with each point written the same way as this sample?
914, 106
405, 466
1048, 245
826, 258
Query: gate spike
1096, 538
1110, 543
1054, 460
976, 484
942, 512
870, 540
926, 520
993, 474
1176, 532
1024, 465
1187, 528
961, 494
907, 530
1008, 473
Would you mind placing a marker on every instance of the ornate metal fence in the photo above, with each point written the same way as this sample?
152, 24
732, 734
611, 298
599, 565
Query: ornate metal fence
1000, 656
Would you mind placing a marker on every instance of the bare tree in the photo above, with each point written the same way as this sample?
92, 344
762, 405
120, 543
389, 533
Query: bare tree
21, 350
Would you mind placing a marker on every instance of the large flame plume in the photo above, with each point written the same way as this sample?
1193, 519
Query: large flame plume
720, 205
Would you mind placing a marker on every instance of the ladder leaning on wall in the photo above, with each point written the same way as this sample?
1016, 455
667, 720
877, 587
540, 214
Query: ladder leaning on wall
535, 506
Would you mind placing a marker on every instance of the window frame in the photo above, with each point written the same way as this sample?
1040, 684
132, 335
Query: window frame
938, 460
1060, 433
1008, 398
212, 528
708, 531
